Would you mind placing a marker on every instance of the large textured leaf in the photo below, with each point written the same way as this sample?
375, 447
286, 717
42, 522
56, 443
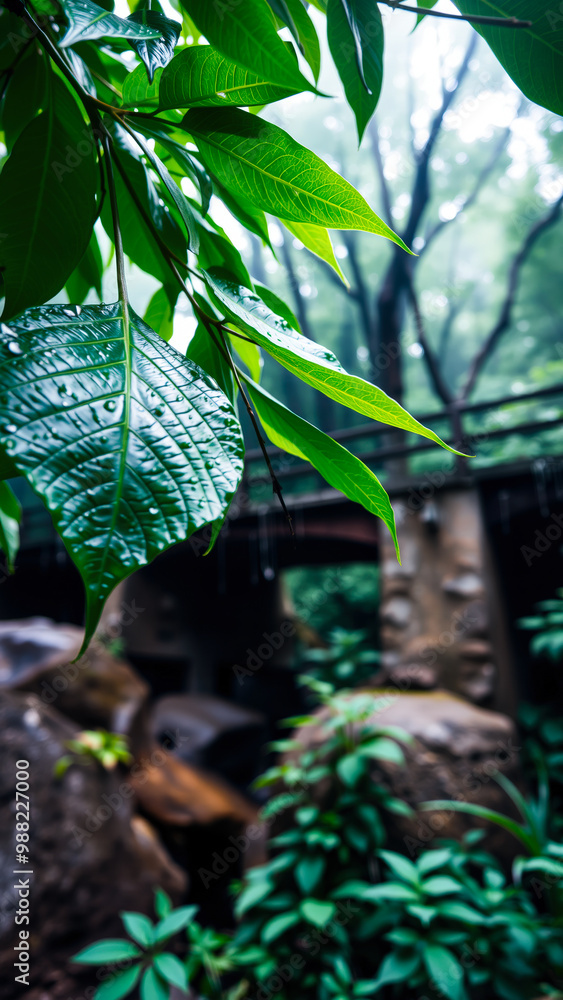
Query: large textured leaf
355, 37
318, 241
138, 199
130, 445
201, 76
47, 202
265, 165
533, 57
309, 361
86, 21
339, 467
155, 52
140, 92
245, 32
10, 517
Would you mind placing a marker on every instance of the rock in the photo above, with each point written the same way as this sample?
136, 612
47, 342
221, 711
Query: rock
456, 751
89, 861
213, 733
98, 691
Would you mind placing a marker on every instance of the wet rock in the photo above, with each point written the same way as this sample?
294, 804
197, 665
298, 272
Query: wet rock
88, 860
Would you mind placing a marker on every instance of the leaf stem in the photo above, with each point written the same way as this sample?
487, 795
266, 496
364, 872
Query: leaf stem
117, 240
493, 22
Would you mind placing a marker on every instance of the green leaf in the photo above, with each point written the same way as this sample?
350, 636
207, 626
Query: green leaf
245, 32
140, 92
162, 903
350, 769
109, 950
175, 192
251, 895
428, 4
171, 969
10, 517
178, 152
317, 240
384, 749
199, 76
47, 202
155, 52
441, 885
533, 57
174, 922
153, 987
205, 353
278, 925
396, 968
308, 872
308, 360
25, 95
87, 21
138, 197
391, 890
139, 927
400, 866
294, 15
430, 860
460, 911
160, 311
119, 985
444, 968
473, 809
110, 425
317, 911
261, 162
355, 38
339, 467
87, 275
277, 305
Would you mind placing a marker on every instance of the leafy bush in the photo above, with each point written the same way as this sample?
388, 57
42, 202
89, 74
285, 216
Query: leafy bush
548, 625
345, 663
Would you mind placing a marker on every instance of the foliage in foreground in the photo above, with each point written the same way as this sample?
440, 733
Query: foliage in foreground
131, 445
334, 915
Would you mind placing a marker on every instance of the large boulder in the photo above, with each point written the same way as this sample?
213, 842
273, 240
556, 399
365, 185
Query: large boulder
456, 750
89, 860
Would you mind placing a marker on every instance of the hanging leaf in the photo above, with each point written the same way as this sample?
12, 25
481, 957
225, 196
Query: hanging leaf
47, 202
264, 164
309, 361
131, 447
200, 76
428, 4
10, 517
205, 352
160, 311
246, 34
532, 57
293, 14
178, 152
339, 467
139, 200
318, 241
86, 20
355, 38
88, 274
155, 52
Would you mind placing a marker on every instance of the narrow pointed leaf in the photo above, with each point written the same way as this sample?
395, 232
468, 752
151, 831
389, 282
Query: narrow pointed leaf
160, 311
86, 21
355, 37
309, 361
155, 52
153, 987
444, 970
264, 164
294, 15
200, 76
139, 927
317, 240
47, 202
172, 970
205, 353
10, 517
108, 950
245, 32
188, 165
339, 467
129, 445
119, 985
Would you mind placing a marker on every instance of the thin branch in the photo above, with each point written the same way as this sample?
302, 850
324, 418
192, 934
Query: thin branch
473, 194
378, 160
492, 22
430, 358
505, 315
